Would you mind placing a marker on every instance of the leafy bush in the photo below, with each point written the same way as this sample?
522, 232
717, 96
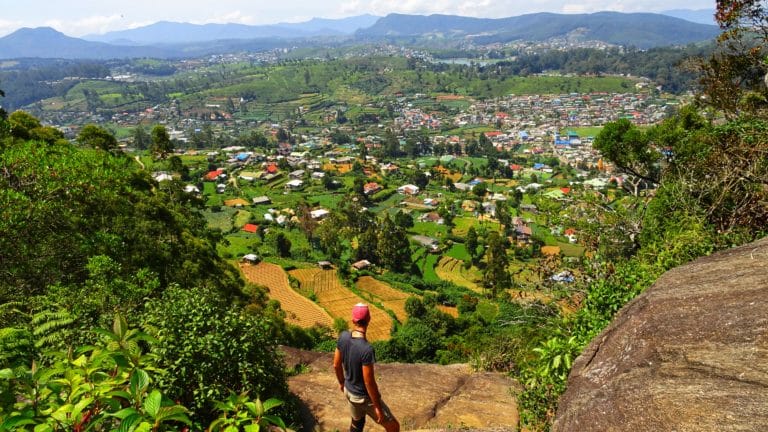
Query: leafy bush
210, 348
108, 386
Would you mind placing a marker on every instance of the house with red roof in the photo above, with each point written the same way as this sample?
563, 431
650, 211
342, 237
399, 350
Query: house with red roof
371, 188
251, 228
214, 175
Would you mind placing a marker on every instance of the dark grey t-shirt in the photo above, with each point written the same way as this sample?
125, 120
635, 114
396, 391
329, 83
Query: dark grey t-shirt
355, 352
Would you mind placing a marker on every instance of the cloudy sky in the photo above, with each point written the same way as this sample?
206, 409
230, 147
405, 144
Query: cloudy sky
82, 17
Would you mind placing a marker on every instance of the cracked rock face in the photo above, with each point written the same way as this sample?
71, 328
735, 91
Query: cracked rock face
689, 354
421, 396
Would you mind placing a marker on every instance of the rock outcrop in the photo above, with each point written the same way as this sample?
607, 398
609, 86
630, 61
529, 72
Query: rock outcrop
689, 354
422, 396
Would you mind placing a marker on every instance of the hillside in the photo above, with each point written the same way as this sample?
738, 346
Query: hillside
643, 30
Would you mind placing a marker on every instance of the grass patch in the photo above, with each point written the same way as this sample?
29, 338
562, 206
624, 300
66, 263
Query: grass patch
427, 267
462, 224
238, 245
429, 229
584, 132
241, 218
221, 220
571, 250
458, 251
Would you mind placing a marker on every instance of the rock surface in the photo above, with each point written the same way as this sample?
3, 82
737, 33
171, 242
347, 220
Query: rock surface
422, 396
689, 354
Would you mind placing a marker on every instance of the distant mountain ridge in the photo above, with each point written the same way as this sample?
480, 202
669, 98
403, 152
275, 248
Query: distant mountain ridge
46, 42
175, 40
165, 32
701, 16
643, 30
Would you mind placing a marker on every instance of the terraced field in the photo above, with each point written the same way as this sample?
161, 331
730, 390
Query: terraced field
380, 292
338, 300
299, 309
450, 269
392, 298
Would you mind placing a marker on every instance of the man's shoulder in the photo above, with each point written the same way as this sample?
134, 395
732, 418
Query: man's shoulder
344, 338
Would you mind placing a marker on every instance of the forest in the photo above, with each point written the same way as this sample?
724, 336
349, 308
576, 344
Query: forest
119, 304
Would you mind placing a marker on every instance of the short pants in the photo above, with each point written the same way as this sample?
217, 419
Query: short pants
359, 406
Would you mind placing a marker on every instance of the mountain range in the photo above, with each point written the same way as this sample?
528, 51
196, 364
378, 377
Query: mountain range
643, 30
165, 32
175, 40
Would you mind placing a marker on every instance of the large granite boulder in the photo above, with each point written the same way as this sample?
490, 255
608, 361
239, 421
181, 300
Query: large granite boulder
689, 354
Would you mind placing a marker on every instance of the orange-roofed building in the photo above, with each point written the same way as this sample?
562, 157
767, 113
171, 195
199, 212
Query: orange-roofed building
251, 228
213, 175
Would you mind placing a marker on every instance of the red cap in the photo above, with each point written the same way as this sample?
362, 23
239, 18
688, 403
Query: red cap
360, 312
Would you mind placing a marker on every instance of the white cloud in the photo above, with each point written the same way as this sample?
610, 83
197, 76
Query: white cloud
88, 25
473, 8
7, 27
235, 17
351, 7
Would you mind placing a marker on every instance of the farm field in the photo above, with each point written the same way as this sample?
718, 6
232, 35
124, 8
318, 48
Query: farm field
380, 292
300, 310
338, 300
452, 270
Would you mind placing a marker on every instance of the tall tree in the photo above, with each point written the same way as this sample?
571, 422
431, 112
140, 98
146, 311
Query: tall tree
394, 250
471, 243
161, 142
96, 137
496, 275
141, 139
733, 78
283, 245
629, 148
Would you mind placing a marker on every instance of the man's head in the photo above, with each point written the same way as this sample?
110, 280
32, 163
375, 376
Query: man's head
361, 315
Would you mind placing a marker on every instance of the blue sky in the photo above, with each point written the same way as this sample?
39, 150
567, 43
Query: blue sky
81, 17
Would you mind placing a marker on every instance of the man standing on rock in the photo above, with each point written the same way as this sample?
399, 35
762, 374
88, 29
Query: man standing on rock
353, 362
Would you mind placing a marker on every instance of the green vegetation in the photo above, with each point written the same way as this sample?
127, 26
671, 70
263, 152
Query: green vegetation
87, 232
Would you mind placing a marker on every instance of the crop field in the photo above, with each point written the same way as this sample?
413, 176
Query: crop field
389, 297
338, 300
299, 309
427, 265
452, 270
450, 310
340, 168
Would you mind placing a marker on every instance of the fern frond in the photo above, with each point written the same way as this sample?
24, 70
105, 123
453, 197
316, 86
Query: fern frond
47, 326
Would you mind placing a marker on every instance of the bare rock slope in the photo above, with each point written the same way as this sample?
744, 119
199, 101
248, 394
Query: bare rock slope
422, 396
689, 354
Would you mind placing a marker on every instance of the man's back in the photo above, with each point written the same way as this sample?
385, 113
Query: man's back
355, 352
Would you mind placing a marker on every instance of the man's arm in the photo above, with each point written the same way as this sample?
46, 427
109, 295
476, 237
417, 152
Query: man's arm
373, 390
339, 368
